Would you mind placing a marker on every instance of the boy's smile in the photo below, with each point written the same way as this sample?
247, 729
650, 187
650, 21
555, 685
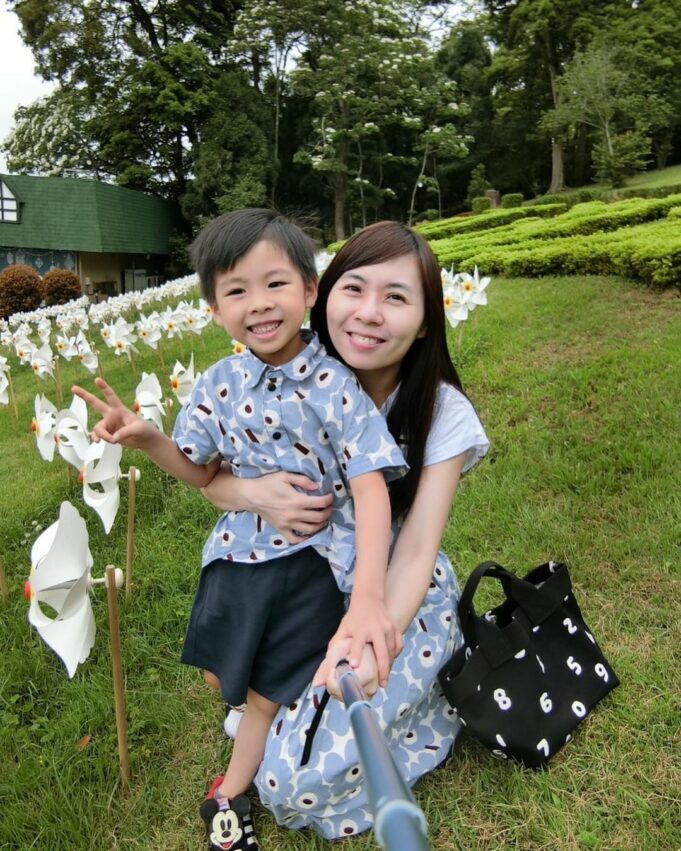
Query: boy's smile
261, 302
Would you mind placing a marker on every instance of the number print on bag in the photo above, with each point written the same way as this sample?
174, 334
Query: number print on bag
543, 746
500, 740
579, 709
574, 666
601, 672
571, 628
546, 703
503, 701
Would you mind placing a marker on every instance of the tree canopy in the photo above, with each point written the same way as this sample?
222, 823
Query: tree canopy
348, 112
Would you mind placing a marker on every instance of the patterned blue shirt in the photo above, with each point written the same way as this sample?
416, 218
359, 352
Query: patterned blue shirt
309, 416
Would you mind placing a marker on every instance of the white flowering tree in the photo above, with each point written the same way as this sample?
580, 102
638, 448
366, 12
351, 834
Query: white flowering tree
376, 97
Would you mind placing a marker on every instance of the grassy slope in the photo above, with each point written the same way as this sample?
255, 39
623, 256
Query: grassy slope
578, 382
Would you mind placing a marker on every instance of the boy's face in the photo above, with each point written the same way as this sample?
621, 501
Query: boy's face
261, 302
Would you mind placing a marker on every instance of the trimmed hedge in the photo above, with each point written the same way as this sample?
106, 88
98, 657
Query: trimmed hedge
60, 286
512, 199
582, 219
20, 289
481, 204
606, 195
649, 252
492, 219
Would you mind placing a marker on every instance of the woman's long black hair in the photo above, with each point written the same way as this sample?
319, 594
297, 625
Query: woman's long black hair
426, 364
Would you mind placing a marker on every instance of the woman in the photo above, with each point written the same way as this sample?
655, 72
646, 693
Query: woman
379, 310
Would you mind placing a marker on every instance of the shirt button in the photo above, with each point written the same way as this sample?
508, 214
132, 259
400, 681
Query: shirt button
272, 386
276, 435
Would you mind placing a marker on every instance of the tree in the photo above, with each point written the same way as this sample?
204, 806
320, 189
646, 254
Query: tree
596, 91
536, 40
377, 99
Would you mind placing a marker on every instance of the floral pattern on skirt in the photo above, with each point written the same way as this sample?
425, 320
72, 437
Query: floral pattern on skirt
328, 793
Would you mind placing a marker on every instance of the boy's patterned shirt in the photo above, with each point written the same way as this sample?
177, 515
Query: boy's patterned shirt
309, 416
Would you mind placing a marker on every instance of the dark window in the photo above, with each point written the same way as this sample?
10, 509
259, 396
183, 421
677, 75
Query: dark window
9, 206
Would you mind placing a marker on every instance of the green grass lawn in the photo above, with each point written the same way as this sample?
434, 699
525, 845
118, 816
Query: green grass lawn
579, 384
658, 177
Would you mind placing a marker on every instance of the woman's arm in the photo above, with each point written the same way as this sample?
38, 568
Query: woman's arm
276, 499
413, 559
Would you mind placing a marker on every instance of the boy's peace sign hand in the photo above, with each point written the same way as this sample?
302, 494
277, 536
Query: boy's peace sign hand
118, 424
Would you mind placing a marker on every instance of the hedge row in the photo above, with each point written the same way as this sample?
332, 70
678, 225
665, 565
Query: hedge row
649, 252
583, 219
485, 221
606, 195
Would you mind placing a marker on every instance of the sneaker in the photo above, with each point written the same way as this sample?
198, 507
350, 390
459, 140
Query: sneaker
228, 822
232, 721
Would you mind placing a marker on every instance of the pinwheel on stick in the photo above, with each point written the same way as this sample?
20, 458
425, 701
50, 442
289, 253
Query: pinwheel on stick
60, 580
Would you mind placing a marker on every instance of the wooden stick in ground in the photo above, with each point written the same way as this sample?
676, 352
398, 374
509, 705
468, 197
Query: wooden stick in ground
133, 475
117, 666
3, 582
169, 420
13, 399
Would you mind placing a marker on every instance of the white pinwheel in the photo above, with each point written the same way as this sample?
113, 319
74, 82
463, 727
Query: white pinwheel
149, 329
148, 402
86, 354
60, 578
24, 349
183, 380
321, 261
42, 426
71, 434
473, 288
41, 361
456, 309
123, 337
172, 322
66, 346
4, 381
44, 329
100, 474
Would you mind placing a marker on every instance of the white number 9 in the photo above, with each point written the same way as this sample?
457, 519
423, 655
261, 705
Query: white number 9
602, 673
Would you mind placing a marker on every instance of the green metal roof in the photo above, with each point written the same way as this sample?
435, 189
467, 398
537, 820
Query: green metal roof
85, 215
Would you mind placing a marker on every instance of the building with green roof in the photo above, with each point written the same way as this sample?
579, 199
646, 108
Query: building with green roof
115, 239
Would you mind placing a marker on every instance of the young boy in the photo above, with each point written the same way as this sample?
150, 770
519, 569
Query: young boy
265, 610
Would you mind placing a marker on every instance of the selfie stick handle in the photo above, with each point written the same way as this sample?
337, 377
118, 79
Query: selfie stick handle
399, 823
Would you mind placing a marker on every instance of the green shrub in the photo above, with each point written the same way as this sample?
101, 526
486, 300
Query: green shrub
334, 247
481, 204
20, 289
477, 185
674, 213
626, 154
512, 199
60, 286
428, 216
468, 223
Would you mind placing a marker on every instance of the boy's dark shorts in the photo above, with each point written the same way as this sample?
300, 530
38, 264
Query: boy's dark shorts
264, 625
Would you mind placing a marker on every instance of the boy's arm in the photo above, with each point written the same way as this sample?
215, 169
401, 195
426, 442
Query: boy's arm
367, 620
120, 425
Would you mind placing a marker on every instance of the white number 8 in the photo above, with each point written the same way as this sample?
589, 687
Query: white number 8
502, 699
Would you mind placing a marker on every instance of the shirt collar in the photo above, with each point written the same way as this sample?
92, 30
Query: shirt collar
300, 367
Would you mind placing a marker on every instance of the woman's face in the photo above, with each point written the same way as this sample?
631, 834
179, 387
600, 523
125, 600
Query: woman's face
374, 314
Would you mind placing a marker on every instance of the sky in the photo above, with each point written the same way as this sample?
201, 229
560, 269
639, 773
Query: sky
20, 85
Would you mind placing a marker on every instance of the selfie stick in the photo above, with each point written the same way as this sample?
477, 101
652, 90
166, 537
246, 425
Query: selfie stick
399, 823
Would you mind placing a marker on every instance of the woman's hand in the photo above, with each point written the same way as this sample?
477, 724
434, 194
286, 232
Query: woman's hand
366, 671
276, 499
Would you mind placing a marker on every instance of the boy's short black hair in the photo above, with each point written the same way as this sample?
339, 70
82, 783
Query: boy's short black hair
222, 242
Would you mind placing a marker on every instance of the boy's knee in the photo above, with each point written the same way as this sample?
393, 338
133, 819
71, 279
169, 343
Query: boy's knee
211, 679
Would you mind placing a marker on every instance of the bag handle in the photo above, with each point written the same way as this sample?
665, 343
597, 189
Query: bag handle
536, 604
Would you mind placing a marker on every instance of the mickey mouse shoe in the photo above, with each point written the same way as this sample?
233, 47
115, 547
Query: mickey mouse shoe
229, 824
